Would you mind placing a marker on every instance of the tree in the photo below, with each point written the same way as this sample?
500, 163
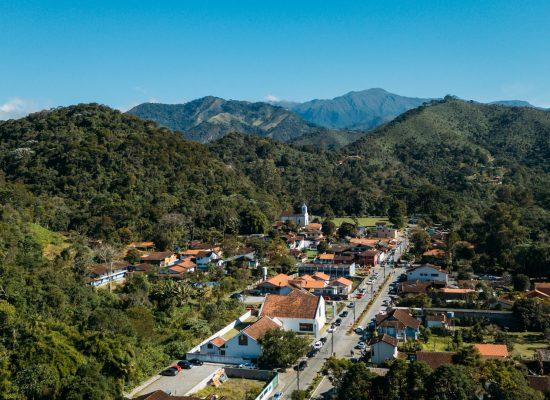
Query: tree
420, 241
451, 382
133, 256
397, 213
322, 246
252, 221
347, 229
533, 314
298, 395
522, 283
357, 383
281, 349
328, 227
503, 381
468, 356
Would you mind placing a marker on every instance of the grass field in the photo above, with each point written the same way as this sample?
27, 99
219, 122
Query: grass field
52, 243
525, 343
234, 389
438, 343
311, 254
368, 222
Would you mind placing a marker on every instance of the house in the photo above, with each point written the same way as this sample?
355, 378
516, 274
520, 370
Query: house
333, 270
492, 351
383, 348
325, 258
301, 219
537, 294
246, 260
180, 269
435, 359
101, 274
369, 258
434, 255
399, 324
436, 321
343, 286
240, 345
427, 272
207, 258
413, 288
505, 303
384, 231
299, 255
278, 284
160, 258
160, 395
449, 293
298, 311
141, 268
143, 246
321, 277
543, 287
307, 282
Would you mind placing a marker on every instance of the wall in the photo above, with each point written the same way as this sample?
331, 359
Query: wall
431, 275
382, 352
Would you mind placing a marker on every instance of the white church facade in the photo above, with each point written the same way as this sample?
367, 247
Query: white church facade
301, 219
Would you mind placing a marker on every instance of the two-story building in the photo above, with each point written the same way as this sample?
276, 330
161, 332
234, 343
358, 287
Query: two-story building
383, 348
298, 311
160, 258
399, 324
426, 273
101, 274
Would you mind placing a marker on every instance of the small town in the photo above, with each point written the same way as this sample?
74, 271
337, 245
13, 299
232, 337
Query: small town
371, 294
275, 200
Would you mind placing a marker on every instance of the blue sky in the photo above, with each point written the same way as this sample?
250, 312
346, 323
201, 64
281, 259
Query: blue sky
122, 53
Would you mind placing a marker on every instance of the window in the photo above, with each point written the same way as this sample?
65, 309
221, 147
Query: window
222, 352
306, 327
243, 340
434, 274
209, 345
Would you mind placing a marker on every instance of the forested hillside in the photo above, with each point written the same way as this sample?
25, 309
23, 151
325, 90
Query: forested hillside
107, 174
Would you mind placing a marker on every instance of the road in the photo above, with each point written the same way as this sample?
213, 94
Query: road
339, 343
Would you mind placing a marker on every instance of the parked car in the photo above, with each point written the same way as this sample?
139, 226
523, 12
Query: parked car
302, 365
323, 339
185, 364
170, 372
361, 345
311, 353
196, 362
338, 322
277, 396
359, 330
317, 345
247, 365
344, 313
237, 296
330, 329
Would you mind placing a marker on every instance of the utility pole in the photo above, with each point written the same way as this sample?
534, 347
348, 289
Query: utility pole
354, 311
298, 377
332, 342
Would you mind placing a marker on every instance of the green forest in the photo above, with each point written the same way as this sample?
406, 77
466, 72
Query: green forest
89, 173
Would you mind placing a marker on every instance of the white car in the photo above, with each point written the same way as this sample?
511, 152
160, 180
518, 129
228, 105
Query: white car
317, 345
330, 329
361, 345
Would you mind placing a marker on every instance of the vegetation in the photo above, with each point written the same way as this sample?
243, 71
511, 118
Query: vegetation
234, 389
281, 349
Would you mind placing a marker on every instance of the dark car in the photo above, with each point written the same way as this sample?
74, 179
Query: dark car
338, 322
344, 314
311, 353
185, 364
323, 339
196, 362
302, 365
172, 371
237, 296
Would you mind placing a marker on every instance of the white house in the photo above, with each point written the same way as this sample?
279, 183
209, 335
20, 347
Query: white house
101, 274
383, 348
298, 311
238, 346
384, 231
427, 272
301, 219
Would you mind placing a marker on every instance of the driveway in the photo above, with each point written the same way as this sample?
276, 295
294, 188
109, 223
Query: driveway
182, 383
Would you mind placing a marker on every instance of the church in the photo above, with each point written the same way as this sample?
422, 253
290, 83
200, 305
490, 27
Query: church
301, 219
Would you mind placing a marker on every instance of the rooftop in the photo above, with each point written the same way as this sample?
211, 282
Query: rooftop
435, 359
492, 350
297, 304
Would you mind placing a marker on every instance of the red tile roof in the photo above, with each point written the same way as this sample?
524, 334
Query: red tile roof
492, 350
218, 342
277, 280
297, 304
341, 281
401, 315
386, 339
435, 359
259, 328
157, 256
322, 276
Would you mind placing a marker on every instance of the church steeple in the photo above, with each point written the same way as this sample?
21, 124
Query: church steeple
304, 209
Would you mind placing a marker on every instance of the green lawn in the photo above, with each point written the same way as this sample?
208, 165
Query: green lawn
368, 222
438, 343
234, 389
52, 243
525, 343
311, 254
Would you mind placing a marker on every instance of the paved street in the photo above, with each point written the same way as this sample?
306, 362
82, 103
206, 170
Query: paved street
339, 343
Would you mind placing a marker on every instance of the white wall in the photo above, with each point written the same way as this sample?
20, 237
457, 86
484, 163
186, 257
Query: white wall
382, 351
426, 274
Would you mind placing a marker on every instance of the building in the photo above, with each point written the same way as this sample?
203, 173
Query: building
207, 258
160, 258
240, 345
101, 274
245, 260
384, 231
383, 348
436, 321
448, 293
278, 284
301, 219
399, 324
426, 273
492, 351
333, 270
321, 277
298, 311
180, 269
307, 282
435, 359
342, 285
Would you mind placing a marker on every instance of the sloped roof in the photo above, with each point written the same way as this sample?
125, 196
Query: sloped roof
277, 280
449, 290
307, 282
157, 256
326, 256
428, 266
218, 342
322, 276
385, 339
435, 359
102, 269
401, 315
543, 287
437, 253
314, 227
341, 281
492, 350
296, 304
259, 328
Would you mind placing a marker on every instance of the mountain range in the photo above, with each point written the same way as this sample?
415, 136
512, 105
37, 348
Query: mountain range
327, 124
